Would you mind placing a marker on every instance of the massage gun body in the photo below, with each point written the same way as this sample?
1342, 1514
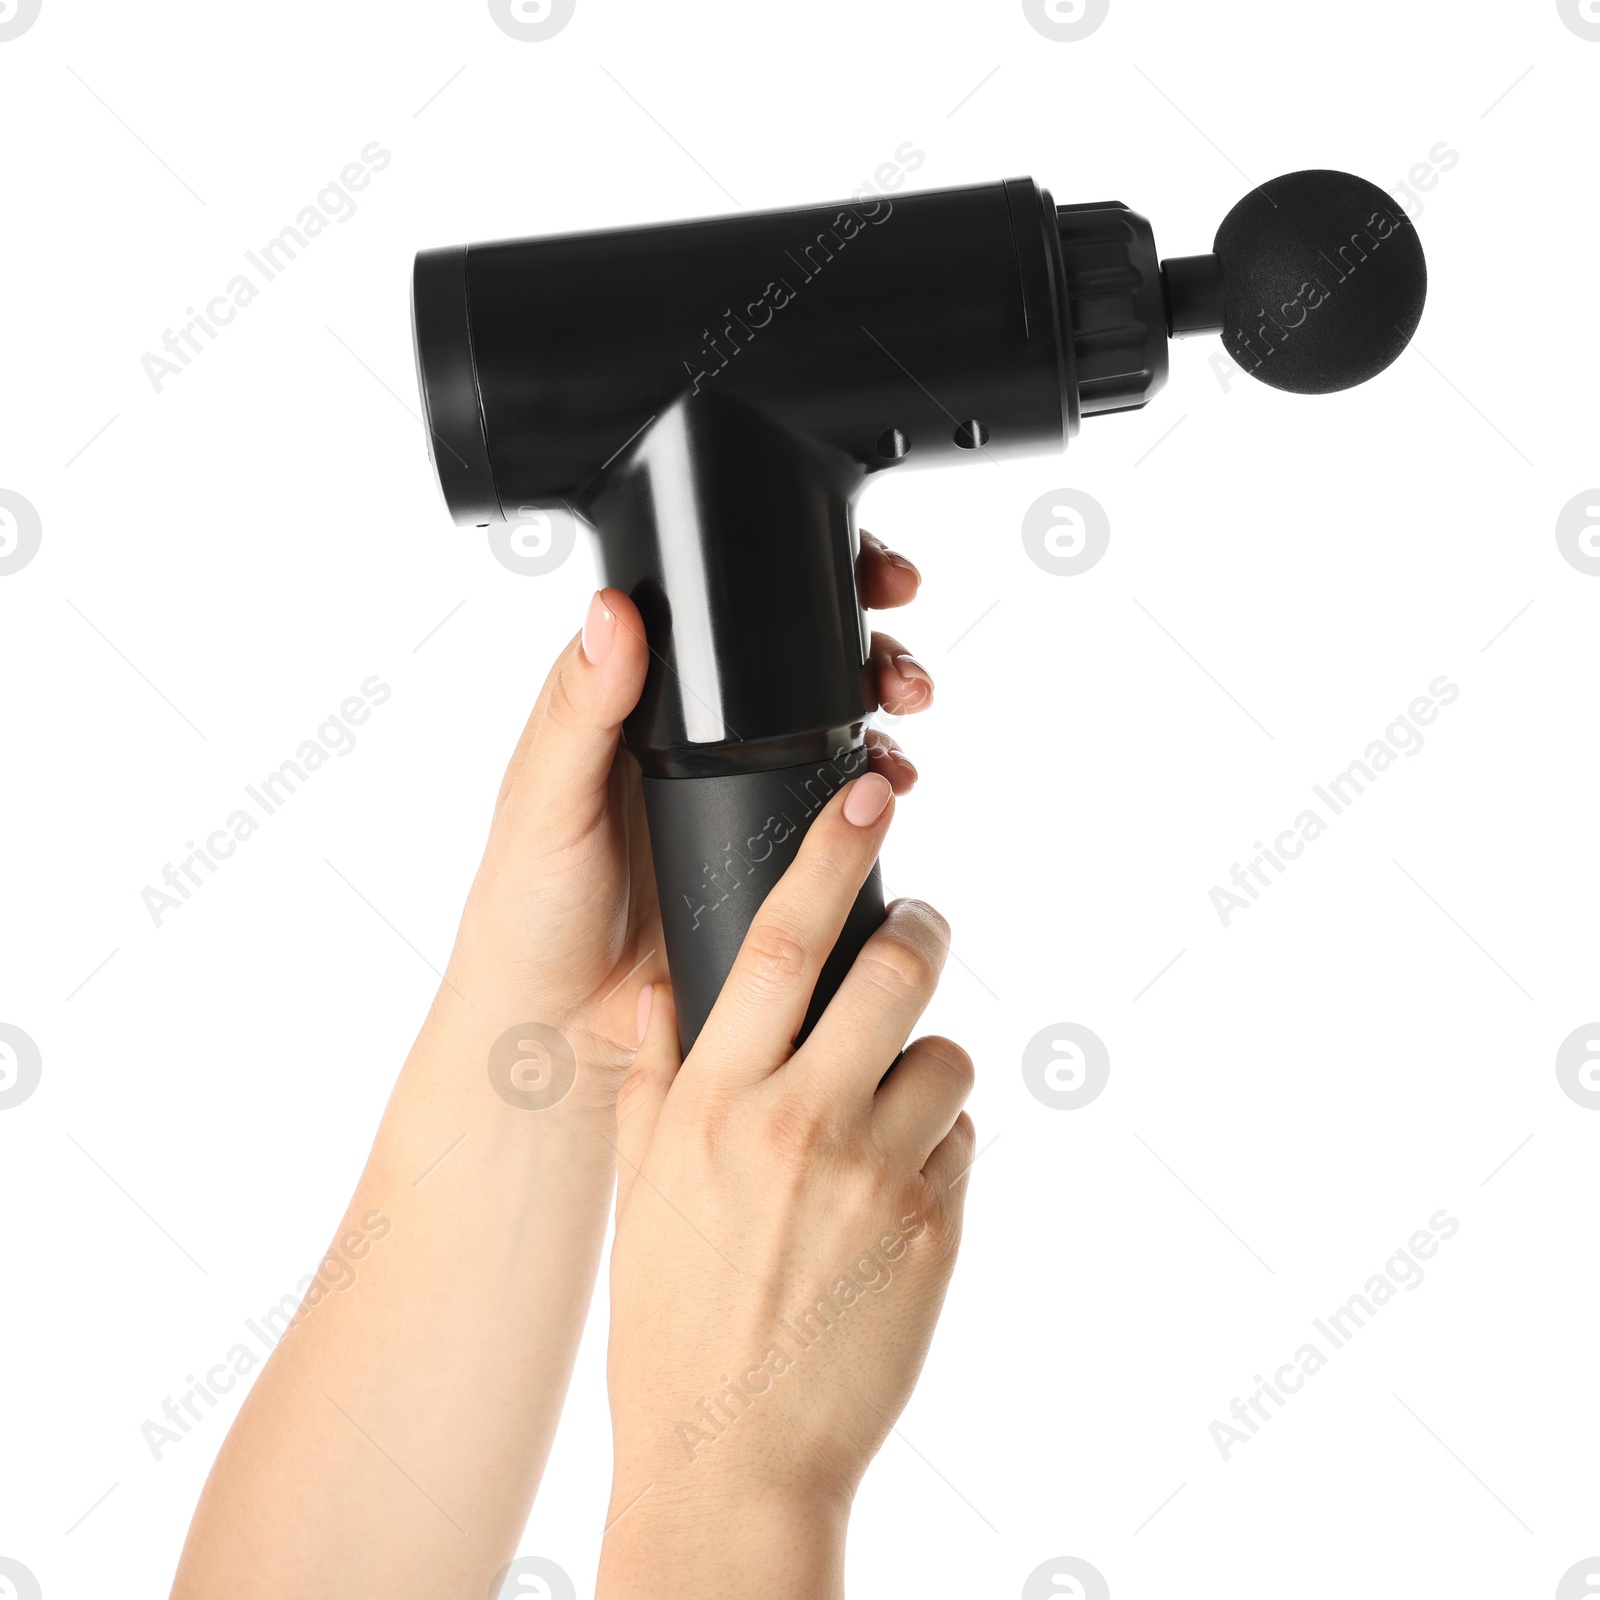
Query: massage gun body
712, 396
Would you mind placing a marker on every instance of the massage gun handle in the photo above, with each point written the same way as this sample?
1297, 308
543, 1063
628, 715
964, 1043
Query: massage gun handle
734, 536
720, 844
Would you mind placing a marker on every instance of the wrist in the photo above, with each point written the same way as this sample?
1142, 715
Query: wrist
722, 1540
539, 1054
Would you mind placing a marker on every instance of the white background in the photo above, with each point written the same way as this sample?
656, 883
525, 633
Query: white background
1289, 1100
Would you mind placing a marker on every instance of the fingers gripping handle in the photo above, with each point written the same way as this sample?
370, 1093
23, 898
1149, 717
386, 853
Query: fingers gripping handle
720, 845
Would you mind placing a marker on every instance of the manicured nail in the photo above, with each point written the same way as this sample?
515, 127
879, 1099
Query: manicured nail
893, 557
599, 631
866, 800
918, 690
905, 761
646, 1000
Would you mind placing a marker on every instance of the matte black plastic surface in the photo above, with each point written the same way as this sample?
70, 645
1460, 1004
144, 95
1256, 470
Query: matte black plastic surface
1117, 315
720, 845
841, 321
1325, 278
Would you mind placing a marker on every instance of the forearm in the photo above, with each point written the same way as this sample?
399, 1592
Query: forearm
393, 1443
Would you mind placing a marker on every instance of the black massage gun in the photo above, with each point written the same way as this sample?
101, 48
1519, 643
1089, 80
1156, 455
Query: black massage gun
713, 396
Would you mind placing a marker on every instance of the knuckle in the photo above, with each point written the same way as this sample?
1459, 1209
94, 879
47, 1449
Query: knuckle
564, 710
824, 859
899, 969
715, 1127
796, 1130
772, 956
866, 1173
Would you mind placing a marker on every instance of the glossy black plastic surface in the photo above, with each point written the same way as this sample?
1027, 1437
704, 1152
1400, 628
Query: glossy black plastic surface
734, 537
443, 341
1196, 295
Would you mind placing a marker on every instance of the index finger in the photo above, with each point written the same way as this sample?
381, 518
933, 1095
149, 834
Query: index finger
752, 1027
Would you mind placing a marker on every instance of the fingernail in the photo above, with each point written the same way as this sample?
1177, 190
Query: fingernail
599, 630
866, 800
906, 762
918, 690
893, 557
646, 1000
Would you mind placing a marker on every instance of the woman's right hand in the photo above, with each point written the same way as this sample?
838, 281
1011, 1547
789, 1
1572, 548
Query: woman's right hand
787, 1223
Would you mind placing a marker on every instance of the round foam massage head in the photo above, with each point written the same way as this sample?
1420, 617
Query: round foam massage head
1324, 281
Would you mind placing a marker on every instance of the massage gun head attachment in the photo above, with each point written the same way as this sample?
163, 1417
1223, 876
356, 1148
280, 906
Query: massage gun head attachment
1316, 282
914, 331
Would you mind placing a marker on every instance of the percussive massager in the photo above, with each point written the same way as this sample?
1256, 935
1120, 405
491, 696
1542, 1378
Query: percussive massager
713, 396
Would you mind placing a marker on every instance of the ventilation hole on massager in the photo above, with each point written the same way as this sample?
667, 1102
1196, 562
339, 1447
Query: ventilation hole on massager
892, 444
971, 435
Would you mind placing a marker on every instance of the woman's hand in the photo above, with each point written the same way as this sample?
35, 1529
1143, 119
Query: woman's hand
393, 1443
562, 923
787, 1222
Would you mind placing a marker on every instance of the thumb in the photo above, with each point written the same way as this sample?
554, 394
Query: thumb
644, 1091
556, 779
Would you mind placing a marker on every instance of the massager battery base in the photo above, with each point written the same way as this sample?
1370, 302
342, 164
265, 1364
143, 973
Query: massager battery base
720, 845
